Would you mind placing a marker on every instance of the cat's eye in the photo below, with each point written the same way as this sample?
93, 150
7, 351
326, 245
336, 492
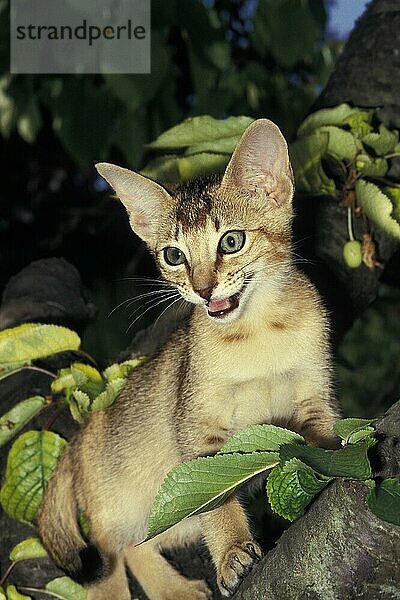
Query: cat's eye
173, 256
231, 242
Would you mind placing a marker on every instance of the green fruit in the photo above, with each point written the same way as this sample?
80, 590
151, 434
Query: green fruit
352, 254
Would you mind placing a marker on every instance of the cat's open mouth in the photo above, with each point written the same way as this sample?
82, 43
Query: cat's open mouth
218, 308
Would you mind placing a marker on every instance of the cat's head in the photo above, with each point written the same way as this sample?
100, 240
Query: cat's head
219, 240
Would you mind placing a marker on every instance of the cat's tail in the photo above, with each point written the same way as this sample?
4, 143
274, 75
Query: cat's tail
57, 521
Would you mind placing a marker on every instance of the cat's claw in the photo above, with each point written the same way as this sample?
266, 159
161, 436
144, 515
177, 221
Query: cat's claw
236, 564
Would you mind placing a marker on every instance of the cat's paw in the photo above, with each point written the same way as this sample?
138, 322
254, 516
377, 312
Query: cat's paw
236, 564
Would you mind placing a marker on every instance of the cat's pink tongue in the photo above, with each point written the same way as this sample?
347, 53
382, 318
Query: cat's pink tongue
218, 305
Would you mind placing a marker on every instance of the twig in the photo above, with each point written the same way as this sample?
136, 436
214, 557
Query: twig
39, 591
6, 574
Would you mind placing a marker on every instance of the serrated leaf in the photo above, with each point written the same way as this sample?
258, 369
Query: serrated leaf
82, 402
66, 589
13, 594
383, 142
360, 435
202, 484
351, 461
7, 369
88, 379
107, 397
384, 500
377, 207
18, 416
33, 340
27, 549
306, 154
30, 464
393, 194
338, 115
260, 438
197, 130
345, 428
118, 370
372, 167
359, 123
341, 144
291, 488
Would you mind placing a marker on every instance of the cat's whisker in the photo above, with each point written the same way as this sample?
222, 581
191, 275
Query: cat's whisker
151, 301
165, 310
135, 299
147, 295
147, 310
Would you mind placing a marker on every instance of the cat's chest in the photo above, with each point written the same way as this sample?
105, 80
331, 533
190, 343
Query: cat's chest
253, 380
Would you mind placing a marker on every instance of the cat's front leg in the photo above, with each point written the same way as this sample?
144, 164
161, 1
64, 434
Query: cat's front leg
315, 418
231, 544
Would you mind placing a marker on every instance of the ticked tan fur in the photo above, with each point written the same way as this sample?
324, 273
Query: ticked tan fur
266, 361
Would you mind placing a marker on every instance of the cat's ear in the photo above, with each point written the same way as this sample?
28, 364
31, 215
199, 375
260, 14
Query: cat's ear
260, 164
144, 199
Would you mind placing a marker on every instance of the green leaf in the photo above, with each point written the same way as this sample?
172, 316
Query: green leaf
2, 594
351, 461
27, 549
384, 500
394, 194
88, 379
383, 142
202, 484
371, 167
30, 464
163, 168
7, 369
341, 144
346, 428
66, 589
197, 130
260, 438
337, 115
377, 207
33, 340
118, 370
291, 488
306, 154
222, 146
359, 123
29, 121
197, 165
18, 416
107, 397
13, 594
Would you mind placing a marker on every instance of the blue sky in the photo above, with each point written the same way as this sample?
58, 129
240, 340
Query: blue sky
342, 15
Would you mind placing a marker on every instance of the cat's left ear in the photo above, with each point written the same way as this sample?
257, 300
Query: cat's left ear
260, 164
143, 198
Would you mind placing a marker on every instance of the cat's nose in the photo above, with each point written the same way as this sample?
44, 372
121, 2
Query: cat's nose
205, 292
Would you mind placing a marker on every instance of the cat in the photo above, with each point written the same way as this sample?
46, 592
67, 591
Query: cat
255, 350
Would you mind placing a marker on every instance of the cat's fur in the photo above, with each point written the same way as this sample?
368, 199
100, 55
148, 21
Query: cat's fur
265, 360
